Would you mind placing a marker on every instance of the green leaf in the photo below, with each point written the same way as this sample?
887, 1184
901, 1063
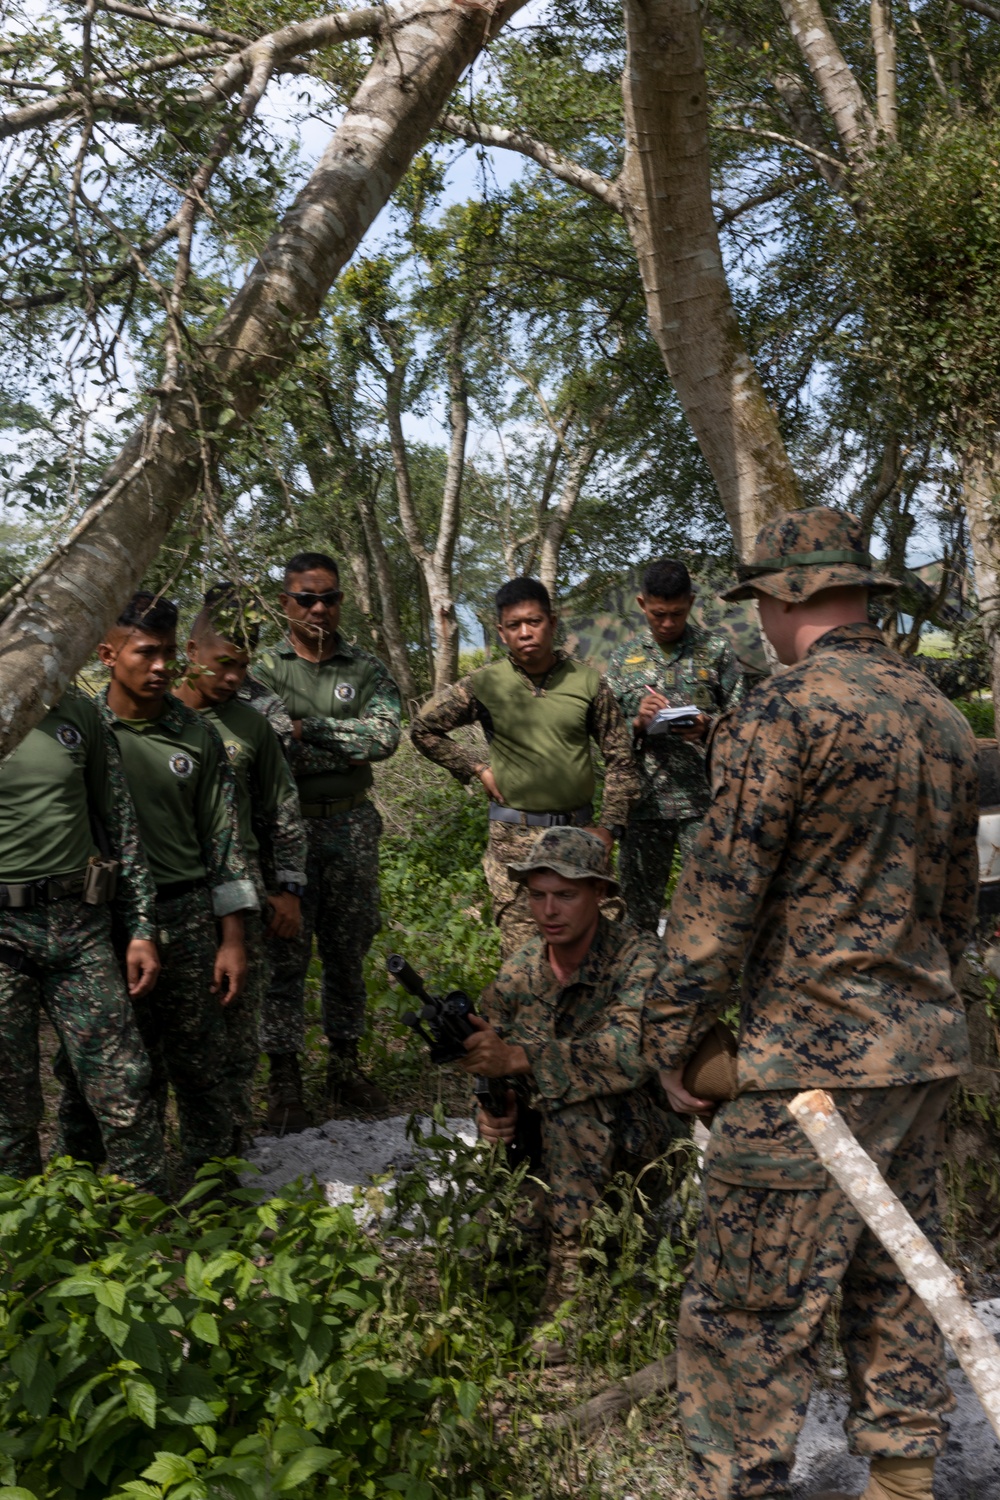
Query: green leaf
468, 1394
204, 1327
16, 1492
302, 1467
110, 1294
141, 1346
114, 1329
169, 1468
24, 1360
140, 1401
38, 1395
188, 1410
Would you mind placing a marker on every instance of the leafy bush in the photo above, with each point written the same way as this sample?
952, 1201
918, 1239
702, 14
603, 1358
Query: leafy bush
238, 1352
979, 712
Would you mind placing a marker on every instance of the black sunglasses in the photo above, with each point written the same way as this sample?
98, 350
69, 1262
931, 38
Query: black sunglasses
307, 600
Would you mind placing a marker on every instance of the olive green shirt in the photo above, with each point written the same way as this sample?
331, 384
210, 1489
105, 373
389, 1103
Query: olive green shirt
350, 711
185, 799
267, 802
65, 776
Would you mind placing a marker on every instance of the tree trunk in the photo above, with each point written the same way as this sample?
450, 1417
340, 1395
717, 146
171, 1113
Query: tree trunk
981, 496
835, 83
884, 43
392, 627
554, 528
51, 630
667, 188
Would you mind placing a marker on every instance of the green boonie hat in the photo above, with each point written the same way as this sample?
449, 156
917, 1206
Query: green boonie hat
803, 551
571, 852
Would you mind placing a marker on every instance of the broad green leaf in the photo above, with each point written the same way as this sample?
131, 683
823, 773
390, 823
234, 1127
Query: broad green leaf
38, 1395
468, 1394
111, 1294
169, 1468
17, 1492
188, 1410
140, 1400
113, 1328
302, 1467
204, 1327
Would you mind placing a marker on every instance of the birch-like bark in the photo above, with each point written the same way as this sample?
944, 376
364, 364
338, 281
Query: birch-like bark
981, 498
934, 1283
50, 632
884, 42
667, 185
385, 584
835, 83
555, 526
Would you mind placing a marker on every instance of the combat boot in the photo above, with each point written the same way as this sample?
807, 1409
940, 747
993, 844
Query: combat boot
347, 1088
560, 1288
894, 1479
286, 1109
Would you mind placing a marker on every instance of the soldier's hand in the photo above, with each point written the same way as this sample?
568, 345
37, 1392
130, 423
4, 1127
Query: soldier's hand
296, 729
694, 731
286, 916
680, 1101
489, 1055
230, 972
489, 781
502, 1127
649, 708
142, 966
605, 835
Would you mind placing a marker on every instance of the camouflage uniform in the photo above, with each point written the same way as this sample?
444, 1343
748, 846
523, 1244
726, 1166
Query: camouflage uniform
350, 712
837, 864
182, 1022
540, 782
596, 1098
64, 770
701, 668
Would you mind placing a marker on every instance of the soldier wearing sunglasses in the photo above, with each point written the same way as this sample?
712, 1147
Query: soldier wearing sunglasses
345, 711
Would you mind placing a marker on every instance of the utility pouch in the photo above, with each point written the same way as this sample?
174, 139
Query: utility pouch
100, 881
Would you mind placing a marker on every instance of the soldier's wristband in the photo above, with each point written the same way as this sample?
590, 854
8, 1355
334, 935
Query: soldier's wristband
291, 888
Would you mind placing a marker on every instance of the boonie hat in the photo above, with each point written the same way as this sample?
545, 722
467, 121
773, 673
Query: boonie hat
803, 551
571, 852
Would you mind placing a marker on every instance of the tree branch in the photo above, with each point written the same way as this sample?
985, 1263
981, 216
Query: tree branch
775, 189
785, 140
171, 22
838, 88
560, 166
980, 8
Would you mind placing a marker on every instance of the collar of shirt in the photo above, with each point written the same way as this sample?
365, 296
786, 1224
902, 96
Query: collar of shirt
860, 633
341, 648
558, 657
173, 718
607, 942
689, 641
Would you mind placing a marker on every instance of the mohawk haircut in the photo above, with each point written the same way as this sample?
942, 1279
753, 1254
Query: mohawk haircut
522, 590
309, 562
230, 615
149, 613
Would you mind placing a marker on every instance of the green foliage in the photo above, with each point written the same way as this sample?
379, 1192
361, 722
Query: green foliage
979, 712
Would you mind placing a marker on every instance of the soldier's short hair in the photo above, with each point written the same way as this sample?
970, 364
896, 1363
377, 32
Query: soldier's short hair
309, 562
666, 578
522, 590
229, 613
150, 613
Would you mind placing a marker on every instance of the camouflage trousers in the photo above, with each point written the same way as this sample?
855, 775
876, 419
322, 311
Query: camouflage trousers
507, 844
775, 1241
645, 860
184, 1030
72, 973
583, 1146
341, 906
241, 1018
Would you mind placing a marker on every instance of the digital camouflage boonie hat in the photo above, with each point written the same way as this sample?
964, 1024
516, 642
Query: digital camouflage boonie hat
803, 551
571, 852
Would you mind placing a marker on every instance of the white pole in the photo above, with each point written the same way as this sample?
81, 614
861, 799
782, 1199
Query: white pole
937, 1287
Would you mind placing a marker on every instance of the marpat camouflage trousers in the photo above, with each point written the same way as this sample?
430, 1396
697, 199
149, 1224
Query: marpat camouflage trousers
645, 859
74, 976
584, 1145
775, 1241
184, 1031
509, 843
341, 906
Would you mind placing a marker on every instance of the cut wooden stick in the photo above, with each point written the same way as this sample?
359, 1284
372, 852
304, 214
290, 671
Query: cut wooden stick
661, 1375
861, 1181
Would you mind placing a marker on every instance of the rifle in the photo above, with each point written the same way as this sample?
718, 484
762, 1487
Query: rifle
448, 1023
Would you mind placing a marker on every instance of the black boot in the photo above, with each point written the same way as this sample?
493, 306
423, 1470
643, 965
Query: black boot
286, 1110
347, 1088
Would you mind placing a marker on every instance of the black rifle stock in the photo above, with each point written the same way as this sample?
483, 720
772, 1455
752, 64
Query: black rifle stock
443, 1022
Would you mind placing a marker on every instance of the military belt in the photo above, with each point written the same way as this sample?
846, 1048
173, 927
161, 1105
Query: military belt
331, 809
22, 895
176, 888
581, 817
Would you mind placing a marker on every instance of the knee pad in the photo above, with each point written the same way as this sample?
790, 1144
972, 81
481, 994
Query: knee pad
901, 1479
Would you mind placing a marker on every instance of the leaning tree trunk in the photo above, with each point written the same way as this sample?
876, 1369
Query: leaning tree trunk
981, 495
385, 583
666, 184
53, 627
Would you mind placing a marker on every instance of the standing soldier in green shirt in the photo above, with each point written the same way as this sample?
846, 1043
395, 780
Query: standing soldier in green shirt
672, 663
345, 712
539, 710
184, 794
271, 827
66, 821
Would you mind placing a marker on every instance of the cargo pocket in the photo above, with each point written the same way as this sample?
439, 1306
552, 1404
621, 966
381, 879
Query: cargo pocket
756, 1245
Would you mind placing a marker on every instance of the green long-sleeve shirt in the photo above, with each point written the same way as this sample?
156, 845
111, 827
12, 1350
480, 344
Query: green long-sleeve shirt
267, 802
350, 711
64, 772
185, 799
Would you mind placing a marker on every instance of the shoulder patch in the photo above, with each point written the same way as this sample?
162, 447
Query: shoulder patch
345, 691
182, 765
69, 736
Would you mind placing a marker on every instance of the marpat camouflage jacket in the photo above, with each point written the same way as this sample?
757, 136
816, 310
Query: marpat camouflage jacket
837, 866
702, 669
583, 1039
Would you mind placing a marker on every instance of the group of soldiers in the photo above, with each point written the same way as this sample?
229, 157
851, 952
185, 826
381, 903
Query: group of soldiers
172, 847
